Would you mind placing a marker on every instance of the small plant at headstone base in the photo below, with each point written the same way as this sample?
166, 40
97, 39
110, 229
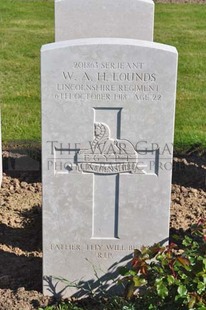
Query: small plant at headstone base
169, 277
62, 306
112, 303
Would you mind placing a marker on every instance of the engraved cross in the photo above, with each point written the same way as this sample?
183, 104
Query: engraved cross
106, 157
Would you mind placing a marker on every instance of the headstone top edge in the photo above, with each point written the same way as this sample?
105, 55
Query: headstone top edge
108, 41
147, 1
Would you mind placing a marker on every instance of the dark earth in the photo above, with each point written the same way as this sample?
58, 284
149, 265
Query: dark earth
21, 220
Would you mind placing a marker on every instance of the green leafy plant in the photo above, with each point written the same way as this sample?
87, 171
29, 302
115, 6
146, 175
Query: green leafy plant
102, 303
160, 278
172, 276
62, 306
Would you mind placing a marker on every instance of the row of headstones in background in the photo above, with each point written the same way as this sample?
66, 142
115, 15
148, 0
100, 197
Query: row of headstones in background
107, 132
131, 19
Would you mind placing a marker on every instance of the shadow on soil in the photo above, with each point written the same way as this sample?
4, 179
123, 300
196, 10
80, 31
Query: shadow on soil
21, 269
29, 237
190, 171
23, 161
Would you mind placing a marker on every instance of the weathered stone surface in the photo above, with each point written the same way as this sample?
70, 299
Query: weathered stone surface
132, 19
107, 133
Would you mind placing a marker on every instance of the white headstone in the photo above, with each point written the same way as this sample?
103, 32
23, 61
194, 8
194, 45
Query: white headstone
107, 132
76, 19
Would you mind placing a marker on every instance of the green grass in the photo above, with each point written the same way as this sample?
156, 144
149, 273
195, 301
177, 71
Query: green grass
184, 26
25, 25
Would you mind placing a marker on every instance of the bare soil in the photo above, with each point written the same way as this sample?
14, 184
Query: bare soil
21, 217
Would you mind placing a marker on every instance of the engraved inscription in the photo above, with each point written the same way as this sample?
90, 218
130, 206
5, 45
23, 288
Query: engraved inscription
101, 251
107, 81
107, 65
